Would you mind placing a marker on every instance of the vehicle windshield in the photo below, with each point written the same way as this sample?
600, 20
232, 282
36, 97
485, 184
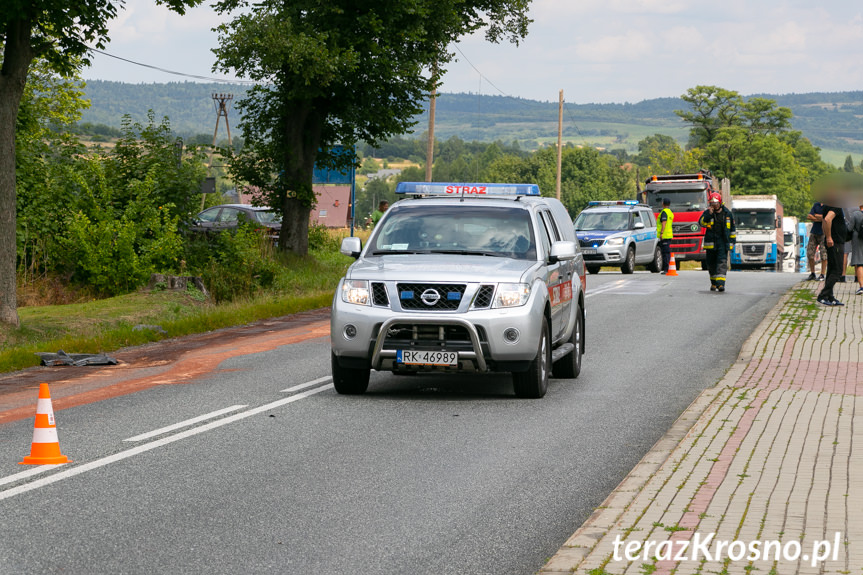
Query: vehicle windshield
456, 229
789, 238
589, 221
754, 220
268, 216
681, 200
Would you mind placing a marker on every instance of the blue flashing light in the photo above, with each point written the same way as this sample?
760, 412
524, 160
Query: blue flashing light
472, 190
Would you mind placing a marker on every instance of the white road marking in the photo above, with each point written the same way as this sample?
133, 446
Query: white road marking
143, 448
29, 473
627, 287
606, 287
307, 384
186, 423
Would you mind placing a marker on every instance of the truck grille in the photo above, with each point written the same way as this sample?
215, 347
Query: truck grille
430, 296
483, 297
379, 294
753, 249
686, 228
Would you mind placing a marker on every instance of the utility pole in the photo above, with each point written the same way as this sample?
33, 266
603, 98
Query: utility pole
559, 142
221, 103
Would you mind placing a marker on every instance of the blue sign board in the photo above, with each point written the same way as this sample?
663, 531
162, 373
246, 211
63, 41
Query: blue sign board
328, 176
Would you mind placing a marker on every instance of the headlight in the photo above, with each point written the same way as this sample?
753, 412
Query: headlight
512, 295
615, 242
356, 291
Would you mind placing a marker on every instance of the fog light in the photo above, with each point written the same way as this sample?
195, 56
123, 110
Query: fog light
510, 335
350, 331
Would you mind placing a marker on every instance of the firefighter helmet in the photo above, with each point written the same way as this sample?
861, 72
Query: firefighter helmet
714, 197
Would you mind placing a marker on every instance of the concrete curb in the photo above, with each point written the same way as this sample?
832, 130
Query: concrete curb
583, 541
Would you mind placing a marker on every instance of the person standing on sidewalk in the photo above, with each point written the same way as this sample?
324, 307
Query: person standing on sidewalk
856, 232
665, 232
835, 233
720, 235
816, 241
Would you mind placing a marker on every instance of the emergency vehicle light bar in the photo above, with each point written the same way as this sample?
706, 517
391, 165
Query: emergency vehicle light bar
613, 203
455, 190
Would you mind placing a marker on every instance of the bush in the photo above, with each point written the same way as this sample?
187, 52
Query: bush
320, 238
243, 264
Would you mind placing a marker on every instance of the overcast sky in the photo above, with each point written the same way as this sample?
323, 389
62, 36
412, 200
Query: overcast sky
596, 50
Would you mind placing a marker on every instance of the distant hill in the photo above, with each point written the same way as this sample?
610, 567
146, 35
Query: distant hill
833, 121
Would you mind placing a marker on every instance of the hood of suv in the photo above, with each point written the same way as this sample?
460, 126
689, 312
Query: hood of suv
440, 267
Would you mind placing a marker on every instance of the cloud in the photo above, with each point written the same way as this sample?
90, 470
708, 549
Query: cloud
622, 48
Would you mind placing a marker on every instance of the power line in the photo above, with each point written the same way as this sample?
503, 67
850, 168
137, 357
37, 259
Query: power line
166, 71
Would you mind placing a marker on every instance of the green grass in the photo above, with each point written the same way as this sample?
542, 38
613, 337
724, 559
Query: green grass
106, 325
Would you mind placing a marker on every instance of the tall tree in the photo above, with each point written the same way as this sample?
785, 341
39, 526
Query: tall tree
338, 72
59, 31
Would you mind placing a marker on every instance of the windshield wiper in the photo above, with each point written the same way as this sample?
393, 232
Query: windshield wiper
468, 253
396, 252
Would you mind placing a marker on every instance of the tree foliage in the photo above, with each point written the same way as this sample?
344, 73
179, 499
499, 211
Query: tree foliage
337, 73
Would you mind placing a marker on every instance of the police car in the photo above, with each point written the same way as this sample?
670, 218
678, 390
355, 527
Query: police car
618, 233
462, 278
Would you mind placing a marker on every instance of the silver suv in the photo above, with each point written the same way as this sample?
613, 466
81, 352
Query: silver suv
462, 278
618, 233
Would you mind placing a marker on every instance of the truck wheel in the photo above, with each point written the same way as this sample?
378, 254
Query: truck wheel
655, 266
569, 366
629, 263
348, 380
533, 383
593, 269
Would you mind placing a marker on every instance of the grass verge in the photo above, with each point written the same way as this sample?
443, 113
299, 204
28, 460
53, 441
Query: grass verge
106, 325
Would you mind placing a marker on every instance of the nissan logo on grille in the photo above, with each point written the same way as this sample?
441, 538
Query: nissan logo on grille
430, 297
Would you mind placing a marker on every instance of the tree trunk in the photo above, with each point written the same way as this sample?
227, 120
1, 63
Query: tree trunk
17, 56
303, 128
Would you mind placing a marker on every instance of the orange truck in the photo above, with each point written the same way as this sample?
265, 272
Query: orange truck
688, 195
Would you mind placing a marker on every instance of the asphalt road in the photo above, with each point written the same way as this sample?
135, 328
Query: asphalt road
423, 475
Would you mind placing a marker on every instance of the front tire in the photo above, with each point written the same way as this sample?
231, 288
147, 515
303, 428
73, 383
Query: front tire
569, 366
629, 263
656, 265
593, 269
348, 380
533, 383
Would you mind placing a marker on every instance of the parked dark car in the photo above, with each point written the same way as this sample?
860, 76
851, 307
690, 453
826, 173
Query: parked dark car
228, 216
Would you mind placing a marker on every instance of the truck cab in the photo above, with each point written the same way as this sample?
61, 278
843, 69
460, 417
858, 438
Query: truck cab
791, 236
688, 195
760, 236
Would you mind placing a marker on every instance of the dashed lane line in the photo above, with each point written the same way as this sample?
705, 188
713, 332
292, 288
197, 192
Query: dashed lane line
144, 447
307, 384
187, 423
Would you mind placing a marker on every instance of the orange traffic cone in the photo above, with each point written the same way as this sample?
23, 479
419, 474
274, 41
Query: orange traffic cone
45, 449
672, 267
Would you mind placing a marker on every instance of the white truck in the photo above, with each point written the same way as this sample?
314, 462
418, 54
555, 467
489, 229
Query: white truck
760, 240
791, 233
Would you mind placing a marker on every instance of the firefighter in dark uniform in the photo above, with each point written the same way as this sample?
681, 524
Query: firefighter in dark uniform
720, 236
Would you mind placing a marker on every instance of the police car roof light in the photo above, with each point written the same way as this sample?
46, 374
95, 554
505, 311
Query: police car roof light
454, 190
612, 203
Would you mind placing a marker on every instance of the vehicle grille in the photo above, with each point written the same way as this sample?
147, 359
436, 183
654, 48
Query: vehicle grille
449, 296
685, 228
590, 243
483, 297
450, 337
753, 249
379, 295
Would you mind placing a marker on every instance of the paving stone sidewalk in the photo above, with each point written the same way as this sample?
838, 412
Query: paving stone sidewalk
773, 452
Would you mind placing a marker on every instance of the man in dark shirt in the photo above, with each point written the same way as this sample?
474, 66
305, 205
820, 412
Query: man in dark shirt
835, 234
816, 241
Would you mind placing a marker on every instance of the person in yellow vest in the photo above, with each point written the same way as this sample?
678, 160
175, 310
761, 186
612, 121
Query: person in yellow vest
665, 234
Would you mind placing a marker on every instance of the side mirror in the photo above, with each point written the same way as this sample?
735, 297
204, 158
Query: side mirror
561, 252
638, 226
352, 247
